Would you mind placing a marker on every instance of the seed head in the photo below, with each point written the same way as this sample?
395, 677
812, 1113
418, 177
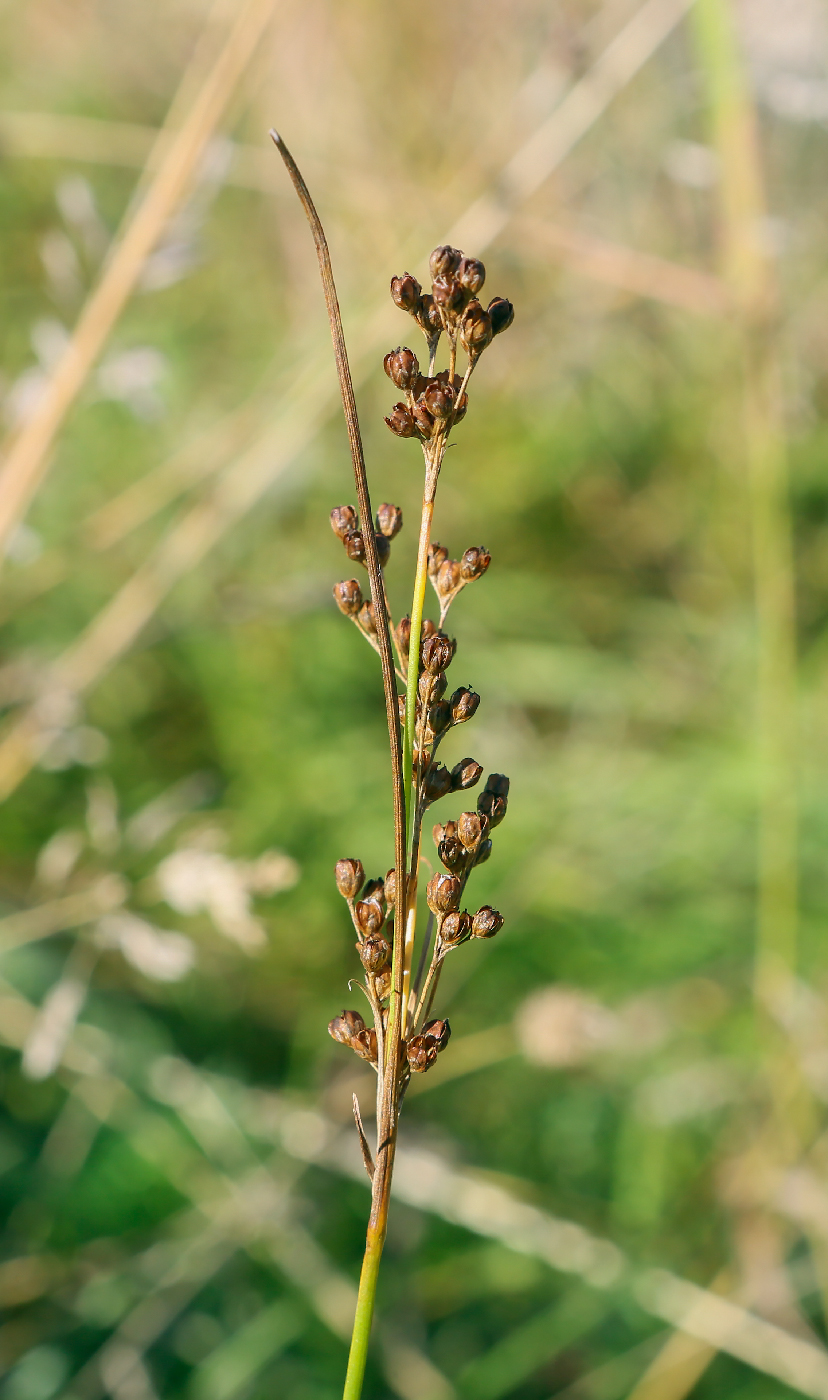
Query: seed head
475, 330
475, 562
452, 854
444, 261
391, 887
343, 520
369, 916
365, 1044
484, 852
471, 274
464, 703
428, 317
439, 717
443, 893
374, 953
382, 984
470, 827
439, 400
400, 421
368, 619
437, 555
486, 922
455, 928
383, 549
354, 546
439, 1032
448, 578
499, 783
405, 292
493, 799
389, 520
502, 313
421, 1053
448, 295
437, 782
442, 830
404, 634
348, 595
350, 877
345, 1026
465, 774
432, 687
423, 420
402, 367
437, 653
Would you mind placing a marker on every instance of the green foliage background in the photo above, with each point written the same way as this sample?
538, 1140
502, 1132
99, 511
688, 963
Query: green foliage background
180, 1212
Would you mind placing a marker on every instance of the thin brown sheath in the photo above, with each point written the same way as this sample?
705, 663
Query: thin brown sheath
387, 1124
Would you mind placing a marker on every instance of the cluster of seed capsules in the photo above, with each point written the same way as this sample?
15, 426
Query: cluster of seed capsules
433, 405
435, 402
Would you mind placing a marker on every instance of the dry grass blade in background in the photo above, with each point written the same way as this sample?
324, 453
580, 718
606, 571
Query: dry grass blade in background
27, 456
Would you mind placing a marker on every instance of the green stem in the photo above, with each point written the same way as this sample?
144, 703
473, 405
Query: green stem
417, 602
364, 1316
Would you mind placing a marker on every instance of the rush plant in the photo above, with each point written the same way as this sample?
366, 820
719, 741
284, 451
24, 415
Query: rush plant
398, 1036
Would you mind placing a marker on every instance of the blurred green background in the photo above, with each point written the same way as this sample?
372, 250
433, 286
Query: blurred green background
192, 734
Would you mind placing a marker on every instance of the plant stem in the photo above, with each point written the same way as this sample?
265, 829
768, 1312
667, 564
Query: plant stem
363, 1317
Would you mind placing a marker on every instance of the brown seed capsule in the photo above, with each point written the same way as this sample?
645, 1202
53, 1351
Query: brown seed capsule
368, 619
383, 549
437, 782
401, 708
429, 318
460, 408
345, 1026
428, 629
369, 916
444, 260
390, 887
436, 653
348, 595
484, 852
439, 400
448, 295
475, 330
475, 562
470, 827
343, 520
375, 890
404, 634
448, 578
437, 555
464, 703
382, 983
401, 366
365, 1045
405, 292
471, 274
400, 421
439, 717
502, 313
432, 687
486, 922
389, 520
350, 877
374, 953
455, 928
354, 546
423, 420
452, 854
493, 806
498, 783
443, 893
421, 1053
465, 774
439, 1032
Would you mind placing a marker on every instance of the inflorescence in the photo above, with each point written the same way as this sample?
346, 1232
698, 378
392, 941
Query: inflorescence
431, 406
